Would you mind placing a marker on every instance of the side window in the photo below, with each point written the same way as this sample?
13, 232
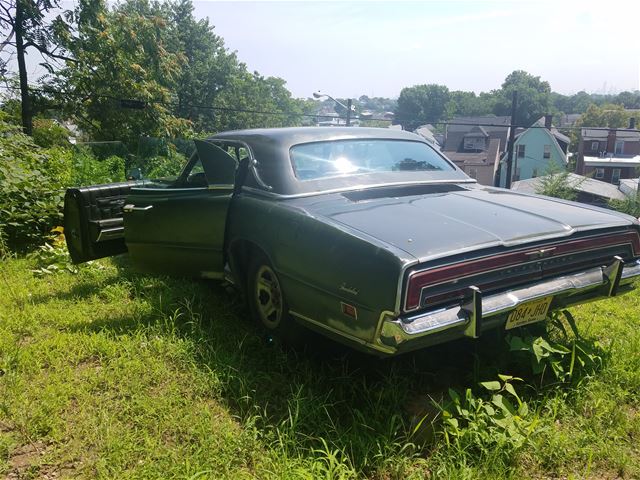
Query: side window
218, 165
194, 177
212, 166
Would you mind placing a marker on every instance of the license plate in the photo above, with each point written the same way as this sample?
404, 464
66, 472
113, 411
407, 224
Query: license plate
530, 312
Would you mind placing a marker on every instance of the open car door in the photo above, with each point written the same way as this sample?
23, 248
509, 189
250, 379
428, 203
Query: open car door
180, 229
93, 223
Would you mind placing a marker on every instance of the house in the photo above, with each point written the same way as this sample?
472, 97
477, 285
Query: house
609, 154
475, 144
480, 165
593, 192
537, 150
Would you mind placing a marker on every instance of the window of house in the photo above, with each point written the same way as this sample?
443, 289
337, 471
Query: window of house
595, 146
599, 172
474, 143
547, 151
619, 147
534, 174
615, 175
473, 172
521, 151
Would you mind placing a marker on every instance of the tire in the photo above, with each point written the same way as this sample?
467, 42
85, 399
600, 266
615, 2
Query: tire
267, 301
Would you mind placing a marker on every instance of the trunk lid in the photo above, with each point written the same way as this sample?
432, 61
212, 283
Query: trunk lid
433, 225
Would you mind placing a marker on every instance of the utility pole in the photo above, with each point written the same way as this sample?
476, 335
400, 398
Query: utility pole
348, 112
512, 133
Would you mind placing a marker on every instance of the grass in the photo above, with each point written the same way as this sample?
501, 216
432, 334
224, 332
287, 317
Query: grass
110, 374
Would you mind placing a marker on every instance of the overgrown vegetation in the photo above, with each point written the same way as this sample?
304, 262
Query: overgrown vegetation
630, 205
557, 183
35, 171
107, 373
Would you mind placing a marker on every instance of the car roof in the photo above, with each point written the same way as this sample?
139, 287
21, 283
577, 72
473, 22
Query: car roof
272, 171
287, 137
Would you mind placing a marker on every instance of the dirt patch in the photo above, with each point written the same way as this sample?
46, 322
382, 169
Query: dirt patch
5, 427
24, 459
27, 461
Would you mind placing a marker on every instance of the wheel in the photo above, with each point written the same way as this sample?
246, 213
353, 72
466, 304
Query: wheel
267, 301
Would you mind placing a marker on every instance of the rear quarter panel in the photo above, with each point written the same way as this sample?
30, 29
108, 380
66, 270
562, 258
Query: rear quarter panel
320, 264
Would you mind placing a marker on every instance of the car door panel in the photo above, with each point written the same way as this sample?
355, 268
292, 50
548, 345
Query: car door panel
181, 234
93, 223
180, 230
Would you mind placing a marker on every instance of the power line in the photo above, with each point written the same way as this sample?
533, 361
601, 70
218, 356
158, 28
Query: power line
397, 119
166, 103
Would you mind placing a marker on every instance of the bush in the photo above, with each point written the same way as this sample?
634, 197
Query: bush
48, 133
87, 170
31, 182
558, 183
630, 205
163, 166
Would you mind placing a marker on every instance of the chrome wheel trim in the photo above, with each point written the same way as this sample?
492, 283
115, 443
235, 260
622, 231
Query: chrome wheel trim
268, 297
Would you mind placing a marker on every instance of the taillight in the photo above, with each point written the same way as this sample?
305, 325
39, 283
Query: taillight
418, 280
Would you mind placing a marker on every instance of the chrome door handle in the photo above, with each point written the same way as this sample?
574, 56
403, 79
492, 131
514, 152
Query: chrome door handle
130, 207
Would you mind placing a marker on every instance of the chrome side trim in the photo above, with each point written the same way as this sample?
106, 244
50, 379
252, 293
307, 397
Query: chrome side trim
600, 281
281, 196
375, 346
110, 234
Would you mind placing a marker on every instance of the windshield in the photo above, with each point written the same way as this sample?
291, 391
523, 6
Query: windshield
318, 160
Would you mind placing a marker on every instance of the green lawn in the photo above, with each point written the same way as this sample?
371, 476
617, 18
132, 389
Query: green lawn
110, 374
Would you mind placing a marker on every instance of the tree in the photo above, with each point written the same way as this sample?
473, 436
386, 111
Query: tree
534, 97
468, 104
123, 53
28, 27
255, 93
179, 73
422, 104
608, 115
208, 66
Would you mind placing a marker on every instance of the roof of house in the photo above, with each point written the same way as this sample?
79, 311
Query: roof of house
612, 161
554, 131
578, 182
493, 127
603, 134
629, 186
427, 133
478, 132
487, 157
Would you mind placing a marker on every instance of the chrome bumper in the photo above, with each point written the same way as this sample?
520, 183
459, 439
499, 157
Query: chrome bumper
478, 311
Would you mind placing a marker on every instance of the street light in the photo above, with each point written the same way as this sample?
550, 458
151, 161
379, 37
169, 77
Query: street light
348, 106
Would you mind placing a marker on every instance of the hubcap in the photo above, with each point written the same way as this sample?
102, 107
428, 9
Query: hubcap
268, 297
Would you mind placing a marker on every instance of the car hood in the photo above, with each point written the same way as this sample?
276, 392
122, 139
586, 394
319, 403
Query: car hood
434, 225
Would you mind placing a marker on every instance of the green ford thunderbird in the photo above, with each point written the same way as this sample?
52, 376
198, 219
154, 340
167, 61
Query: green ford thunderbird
369, 236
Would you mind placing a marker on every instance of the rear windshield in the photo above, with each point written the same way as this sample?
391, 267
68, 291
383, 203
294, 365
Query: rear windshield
317, 160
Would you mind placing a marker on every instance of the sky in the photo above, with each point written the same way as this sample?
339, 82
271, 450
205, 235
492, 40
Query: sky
348, 49
376, 48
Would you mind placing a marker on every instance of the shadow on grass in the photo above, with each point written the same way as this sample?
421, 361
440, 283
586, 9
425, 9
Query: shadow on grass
361, 405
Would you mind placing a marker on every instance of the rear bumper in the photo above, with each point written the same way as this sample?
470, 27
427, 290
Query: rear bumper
478, 312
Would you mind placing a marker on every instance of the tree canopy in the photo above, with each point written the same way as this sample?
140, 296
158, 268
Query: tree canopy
142, 68
534, 97
422, 104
